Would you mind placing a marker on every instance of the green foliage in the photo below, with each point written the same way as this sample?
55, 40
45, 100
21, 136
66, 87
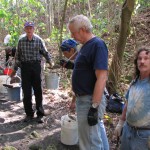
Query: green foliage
100, 26
9, 148
143, 3
55, 34
3, 13
13, 14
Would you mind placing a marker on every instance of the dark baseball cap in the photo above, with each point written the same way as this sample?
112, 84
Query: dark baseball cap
29, 24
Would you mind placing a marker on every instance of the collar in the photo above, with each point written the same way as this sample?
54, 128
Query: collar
33, 38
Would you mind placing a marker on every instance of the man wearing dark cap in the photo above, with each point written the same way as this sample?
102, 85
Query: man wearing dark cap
69, 48
29, 52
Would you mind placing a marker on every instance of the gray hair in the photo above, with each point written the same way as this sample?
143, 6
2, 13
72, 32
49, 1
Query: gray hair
80, 21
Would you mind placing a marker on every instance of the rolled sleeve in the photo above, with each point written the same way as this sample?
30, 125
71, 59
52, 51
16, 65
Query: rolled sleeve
45, 52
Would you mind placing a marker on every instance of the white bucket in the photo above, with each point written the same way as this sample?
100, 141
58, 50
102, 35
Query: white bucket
69, 130
3, 79
52, 80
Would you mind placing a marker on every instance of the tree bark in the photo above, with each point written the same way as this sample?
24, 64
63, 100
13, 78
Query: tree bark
62, 25
89, 8
115, 68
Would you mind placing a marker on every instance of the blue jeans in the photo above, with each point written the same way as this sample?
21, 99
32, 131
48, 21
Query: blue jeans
104, 136
89, 136
132, 139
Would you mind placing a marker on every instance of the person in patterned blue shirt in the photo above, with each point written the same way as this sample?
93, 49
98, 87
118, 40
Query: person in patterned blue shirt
135, 119
28, 56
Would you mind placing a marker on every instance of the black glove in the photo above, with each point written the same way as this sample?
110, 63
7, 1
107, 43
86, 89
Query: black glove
66, 64
92, 116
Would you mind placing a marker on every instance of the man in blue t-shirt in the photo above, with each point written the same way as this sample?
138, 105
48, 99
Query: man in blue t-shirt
135, 119
88, 82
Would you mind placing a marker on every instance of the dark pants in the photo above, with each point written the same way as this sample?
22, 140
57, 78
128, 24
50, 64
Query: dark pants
31, 78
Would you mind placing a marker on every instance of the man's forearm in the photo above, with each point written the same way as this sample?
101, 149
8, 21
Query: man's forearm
99, 87
123, 116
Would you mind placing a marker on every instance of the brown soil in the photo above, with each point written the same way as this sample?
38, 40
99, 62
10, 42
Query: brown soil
24, 136
14, 132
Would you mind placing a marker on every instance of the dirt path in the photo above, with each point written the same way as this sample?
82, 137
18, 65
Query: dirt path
25, 136
33, 136
14, 132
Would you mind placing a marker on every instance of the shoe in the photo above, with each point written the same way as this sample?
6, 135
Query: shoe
40, 119
47, 112
28, 118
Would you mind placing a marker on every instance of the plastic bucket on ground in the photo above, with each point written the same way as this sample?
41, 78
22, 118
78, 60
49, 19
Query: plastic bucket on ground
69, 130
3, 79
15, 93
52, 80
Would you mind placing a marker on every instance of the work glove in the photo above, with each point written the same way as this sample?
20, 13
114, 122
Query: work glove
66, 64
118, 128
92, 116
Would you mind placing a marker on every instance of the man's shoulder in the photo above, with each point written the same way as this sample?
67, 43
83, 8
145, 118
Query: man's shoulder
101, 44
98, 40
37, 37
22, 37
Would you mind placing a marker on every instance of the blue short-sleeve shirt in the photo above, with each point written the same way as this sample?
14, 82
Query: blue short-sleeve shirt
92, 56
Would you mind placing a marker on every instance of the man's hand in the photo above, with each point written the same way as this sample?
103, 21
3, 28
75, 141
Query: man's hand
13, 73
73, 104
63, 62
92, 116
118, 128
66, 64
51, 64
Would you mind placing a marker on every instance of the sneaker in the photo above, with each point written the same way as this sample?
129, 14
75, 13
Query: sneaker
28, 118
40, 119
47, 112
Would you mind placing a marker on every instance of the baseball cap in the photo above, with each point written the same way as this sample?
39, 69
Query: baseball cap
29, 24
67, 44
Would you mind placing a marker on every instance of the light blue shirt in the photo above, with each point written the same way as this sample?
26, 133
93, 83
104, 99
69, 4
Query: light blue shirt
138, 109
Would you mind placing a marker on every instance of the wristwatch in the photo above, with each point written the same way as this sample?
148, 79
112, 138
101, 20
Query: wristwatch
95, 105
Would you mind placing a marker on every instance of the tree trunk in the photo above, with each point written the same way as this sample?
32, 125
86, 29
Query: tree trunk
115, 68
90, 14
47, 16
61, 28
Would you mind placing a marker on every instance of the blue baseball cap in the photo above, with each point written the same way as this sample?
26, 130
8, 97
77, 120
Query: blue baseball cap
67, 44
29, 24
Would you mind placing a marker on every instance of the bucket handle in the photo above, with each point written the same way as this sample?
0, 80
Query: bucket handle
10, 77
71, 117
46, 72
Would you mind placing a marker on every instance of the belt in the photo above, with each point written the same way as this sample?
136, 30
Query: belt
139, 128
81, 94
31, 61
